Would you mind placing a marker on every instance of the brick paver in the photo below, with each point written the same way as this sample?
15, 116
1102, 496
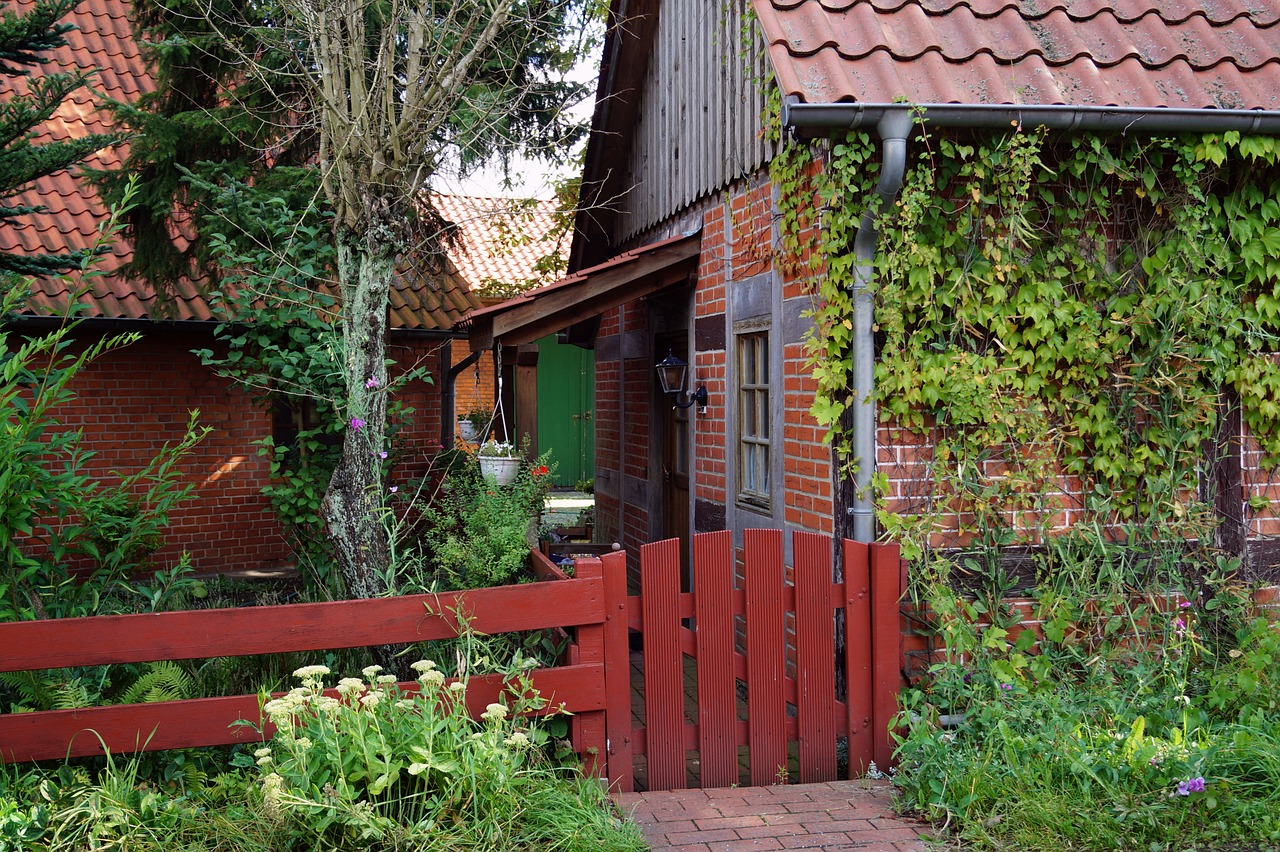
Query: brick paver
833, 816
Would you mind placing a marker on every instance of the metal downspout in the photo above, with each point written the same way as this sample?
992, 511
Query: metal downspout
861, 417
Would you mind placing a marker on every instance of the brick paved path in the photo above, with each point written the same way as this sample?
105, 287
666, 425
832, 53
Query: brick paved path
832, 816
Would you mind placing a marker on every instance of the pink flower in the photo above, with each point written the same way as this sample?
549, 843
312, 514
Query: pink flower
1185, 605
395, 488
357, 423
371, 382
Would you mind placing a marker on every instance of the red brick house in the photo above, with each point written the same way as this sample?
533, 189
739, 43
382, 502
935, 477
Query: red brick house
130, 403
677, 248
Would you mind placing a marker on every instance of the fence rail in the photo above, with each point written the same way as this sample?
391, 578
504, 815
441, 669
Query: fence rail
103, 640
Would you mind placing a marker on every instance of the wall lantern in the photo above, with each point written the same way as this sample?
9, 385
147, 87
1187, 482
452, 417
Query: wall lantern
671, 375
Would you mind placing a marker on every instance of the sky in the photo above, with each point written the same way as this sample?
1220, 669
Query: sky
530, 178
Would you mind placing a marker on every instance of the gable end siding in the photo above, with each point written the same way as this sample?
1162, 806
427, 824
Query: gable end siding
698, 123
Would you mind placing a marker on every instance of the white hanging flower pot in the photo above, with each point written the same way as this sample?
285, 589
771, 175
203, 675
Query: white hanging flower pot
467, 431
501, 469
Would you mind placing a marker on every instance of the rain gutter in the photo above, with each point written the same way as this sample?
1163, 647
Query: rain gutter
893, 123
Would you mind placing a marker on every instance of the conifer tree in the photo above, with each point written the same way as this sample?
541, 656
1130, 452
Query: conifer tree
24, 42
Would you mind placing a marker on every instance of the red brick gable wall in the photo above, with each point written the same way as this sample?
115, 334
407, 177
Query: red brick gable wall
131, 402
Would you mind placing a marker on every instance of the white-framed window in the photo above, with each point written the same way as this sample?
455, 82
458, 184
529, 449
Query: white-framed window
755, 419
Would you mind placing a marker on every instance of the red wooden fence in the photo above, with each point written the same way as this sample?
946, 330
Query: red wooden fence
784, 655
695, 659
56, 734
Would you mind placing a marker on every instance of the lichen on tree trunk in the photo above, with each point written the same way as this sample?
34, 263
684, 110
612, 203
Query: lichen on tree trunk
355, 502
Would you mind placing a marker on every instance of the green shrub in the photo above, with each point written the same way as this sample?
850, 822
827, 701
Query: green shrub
1122, 711
478, 532
383, 766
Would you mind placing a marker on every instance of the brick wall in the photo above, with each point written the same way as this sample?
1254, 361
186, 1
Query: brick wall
133, 401
475, 386
739, 250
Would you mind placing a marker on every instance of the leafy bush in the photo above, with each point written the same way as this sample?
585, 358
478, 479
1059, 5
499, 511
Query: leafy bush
371, 769
478, 531
1123, 710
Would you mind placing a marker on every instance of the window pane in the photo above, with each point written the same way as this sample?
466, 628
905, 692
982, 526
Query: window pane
755, 425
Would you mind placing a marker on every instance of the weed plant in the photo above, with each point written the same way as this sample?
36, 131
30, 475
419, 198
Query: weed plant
1138, 720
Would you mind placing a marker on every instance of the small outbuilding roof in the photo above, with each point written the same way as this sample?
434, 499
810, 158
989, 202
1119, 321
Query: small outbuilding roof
586, 294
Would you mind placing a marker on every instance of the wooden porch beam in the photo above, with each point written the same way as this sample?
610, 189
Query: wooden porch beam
537, 316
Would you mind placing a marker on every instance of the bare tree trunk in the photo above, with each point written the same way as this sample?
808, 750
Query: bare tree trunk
355, 504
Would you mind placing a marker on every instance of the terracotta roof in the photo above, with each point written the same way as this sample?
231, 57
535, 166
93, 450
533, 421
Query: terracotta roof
1129, 53
104, 42
502, 239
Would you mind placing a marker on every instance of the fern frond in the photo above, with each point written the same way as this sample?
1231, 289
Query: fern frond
162, 681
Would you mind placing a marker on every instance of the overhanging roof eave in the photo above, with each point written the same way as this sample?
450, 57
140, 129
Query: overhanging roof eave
586, 294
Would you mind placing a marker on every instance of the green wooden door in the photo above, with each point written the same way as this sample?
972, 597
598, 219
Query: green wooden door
566, 402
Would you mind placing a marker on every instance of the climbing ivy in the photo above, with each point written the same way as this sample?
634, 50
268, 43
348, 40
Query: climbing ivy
1049, 307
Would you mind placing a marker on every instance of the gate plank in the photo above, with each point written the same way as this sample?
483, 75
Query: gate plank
766, 655
717, 695
617, 674
886, 646
815, 658
857, 620
663, 664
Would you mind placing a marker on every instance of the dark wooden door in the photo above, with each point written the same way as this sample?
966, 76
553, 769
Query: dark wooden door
676, 454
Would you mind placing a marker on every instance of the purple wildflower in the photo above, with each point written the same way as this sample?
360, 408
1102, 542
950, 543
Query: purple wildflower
371, 382
357, 423
1007, 687
1179, 626
395, 488
382, 455
1185, 605
1191, 785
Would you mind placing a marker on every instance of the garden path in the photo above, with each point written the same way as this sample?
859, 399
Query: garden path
836, 815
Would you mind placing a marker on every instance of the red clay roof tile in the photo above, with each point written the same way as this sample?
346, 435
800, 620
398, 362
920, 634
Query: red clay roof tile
502, 239
1143, 53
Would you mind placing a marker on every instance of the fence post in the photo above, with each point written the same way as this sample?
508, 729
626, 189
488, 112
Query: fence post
590, 727
886, 647
617, 674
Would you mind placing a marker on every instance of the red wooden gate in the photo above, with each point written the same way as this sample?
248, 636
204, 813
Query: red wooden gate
752, 664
